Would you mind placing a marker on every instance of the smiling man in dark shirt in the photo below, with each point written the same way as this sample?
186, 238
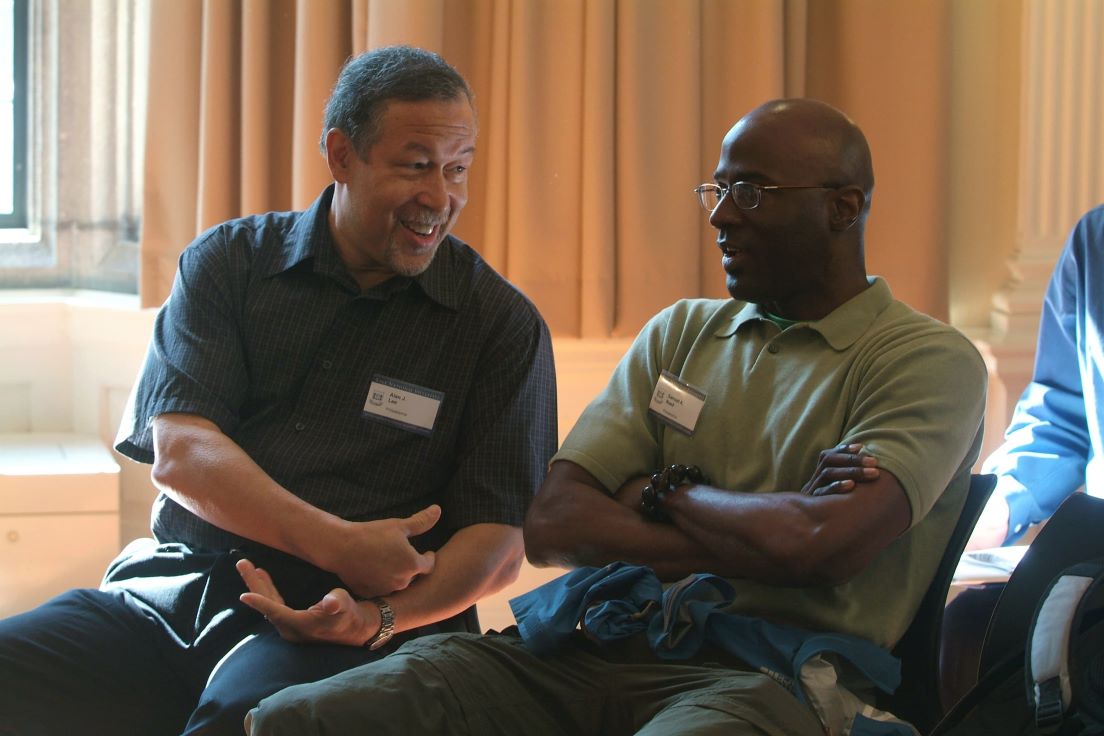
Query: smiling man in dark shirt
346, 402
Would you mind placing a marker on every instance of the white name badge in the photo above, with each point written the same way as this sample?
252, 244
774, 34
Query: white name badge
677, 403
402, 404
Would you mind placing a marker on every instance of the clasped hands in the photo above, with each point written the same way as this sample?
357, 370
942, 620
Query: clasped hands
339, 618
838, 470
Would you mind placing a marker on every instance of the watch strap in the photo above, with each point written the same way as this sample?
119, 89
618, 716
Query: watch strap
387, 624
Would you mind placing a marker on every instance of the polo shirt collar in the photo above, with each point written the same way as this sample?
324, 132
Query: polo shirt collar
311, 239
847, 323
842, 327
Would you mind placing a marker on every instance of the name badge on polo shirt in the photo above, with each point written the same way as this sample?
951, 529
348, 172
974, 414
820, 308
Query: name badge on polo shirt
677, 403
402, 404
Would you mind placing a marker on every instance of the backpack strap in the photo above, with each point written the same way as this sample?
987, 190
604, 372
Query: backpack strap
1054, 682
1072, 535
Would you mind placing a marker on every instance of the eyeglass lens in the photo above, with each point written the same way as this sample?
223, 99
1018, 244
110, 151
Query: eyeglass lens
744, 194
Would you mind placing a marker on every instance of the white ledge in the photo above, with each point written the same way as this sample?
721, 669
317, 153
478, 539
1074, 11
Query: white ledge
69, 297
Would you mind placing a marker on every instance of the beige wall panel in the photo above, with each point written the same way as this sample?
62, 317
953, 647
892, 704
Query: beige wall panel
413, 22
322, 44
476, 44
735, 36
984, 146
172, 146
220, 116
15, 407
543, 163
885, 64
658, 47
267, 97
598, 229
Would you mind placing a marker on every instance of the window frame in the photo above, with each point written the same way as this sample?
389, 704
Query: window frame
20, 33
84, 157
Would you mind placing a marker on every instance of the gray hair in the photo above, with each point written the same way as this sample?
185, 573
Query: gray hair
369, 81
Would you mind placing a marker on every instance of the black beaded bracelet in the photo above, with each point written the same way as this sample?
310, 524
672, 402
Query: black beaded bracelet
665, 481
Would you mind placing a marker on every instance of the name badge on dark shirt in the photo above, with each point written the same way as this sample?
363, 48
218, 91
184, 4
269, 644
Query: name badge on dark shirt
404, 405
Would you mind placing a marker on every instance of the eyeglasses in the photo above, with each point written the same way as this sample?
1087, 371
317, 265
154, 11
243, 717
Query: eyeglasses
745, 194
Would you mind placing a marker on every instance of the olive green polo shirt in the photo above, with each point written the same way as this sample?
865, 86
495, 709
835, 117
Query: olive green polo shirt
910, 388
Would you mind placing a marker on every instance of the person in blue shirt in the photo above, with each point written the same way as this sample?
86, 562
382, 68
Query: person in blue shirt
1054, 445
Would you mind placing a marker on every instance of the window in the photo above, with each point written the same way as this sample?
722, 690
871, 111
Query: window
78, 126
13, 113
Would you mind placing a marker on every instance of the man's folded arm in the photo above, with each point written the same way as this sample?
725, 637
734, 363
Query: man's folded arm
793, 539
787, 538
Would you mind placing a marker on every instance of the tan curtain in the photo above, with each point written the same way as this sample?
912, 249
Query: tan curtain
597, 118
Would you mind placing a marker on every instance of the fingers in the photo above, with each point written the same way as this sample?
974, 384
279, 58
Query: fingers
422, 564
423, 521
847, 455
857, 474
834, 488
333, 602
267, 607
840, 468
335, 619
257, 580
860, 474
429, 560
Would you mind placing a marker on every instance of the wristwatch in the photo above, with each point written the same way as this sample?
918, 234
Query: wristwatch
387, 625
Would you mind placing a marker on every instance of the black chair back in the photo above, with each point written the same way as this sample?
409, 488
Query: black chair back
917, 699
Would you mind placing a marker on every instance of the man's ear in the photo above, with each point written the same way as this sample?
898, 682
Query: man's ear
847, 207
339, 154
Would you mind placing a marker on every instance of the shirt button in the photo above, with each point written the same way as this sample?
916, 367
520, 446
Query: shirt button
327, 364
1018, 529
299, 426
772, 349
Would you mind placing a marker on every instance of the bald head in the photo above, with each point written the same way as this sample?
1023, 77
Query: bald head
792, 233
815, 140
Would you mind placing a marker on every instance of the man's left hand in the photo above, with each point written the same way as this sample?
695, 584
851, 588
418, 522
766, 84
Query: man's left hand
839, 469
336, 619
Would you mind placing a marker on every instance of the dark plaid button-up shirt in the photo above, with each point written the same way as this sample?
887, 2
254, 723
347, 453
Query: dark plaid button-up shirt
267, 335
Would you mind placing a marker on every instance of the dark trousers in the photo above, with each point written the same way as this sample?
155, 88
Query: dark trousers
164, 647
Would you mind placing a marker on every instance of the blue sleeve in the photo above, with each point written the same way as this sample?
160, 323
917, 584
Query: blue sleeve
1046, 447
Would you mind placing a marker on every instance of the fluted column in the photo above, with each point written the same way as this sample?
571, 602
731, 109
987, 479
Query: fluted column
1061, 174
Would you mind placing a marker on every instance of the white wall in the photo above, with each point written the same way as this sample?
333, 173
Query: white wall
69, 359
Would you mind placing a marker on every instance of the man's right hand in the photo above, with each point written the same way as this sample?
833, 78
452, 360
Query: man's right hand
839, 469
376, 557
